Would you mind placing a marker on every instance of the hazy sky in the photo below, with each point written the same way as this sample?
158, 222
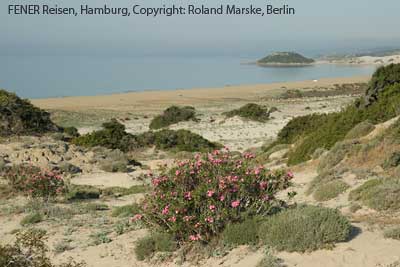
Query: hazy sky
320, 26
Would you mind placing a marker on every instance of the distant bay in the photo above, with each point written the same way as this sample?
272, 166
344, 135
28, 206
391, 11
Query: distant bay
58, 76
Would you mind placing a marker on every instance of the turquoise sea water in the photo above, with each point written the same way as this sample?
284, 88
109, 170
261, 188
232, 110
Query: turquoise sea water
55, 76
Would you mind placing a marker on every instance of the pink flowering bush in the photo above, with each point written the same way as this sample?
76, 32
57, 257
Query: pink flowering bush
35, 182
198, 197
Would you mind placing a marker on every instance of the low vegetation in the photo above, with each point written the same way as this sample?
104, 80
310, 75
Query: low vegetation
305, 228
379, 194
82, 192
330, 190
353, 89
32, 219
251, 111
393, 233
243, 233
156, 242
270, 260
360, 130
173, 115
125, 211
30, 250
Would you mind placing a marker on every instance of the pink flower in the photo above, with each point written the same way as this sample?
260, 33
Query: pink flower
216, 152
222, 198
165, 211
195, 237
177, 172
290, 174
257, 171
209, 219
155, 182
187, 218
235, 203
210, 193
137, 217
263, 185
172, 219
188, 195
212, 207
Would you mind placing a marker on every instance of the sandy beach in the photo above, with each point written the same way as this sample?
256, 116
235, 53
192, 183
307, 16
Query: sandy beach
149, 100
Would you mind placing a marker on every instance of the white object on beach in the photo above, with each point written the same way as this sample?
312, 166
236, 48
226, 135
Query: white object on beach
315, 81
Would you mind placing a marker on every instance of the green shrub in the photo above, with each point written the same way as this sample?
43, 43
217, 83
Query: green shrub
19, 117
164, 242
81, 192
243, 233
117, 191
251, 111
112, 136
173, 115
100, 238
71, 131
330, 190
393, 161
66, 167
157, 242
354, 207
145, 248
125, 211
62, 246
96, 207
360, 130
393, 233
305, 228
30, 250
180, 140
114, 166
32, 219
336, 155
378, 194
203, 194
270, 260
324, 178
382, 78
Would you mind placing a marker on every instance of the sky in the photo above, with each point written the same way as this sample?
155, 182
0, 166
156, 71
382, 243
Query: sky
319, 27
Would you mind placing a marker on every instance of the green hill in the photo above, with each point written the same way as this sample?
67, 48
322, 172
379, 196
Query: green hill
285, 58
379, 104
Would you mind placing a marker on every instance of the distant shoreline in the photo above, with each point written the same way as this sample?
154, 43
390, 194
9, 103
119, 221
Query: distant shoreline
156, 98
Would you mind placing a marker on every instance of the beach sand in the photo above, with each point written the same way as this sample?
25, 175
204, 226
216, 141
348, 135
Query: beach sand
150, 100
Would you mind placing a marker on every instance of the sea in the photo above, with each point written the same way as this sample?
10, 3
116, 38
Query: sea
61, 76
